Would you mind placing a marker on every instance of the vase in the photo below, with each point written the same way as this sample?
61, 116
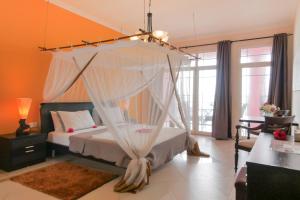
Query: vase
268, 114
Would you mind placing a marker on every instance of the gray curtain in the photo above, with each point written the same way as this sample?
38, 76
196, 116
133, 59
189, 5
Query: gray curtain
221, 123
278, 91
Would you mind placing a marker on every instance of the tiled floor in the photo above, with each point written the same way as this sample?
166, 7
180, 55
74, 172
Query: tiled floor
184, 178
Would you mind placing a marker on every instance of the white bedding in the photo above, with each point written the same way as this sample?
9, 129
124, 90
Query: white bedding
62, 138
166, 134
99, 143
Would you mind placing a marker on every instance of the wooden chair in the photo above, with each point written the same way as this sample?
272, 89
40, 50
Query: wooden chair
269, 126
241, 184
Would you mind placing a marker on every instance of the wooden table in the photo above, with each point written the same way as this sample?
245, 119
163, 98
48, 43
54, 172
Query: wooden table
272, 175
257, 120
249, 119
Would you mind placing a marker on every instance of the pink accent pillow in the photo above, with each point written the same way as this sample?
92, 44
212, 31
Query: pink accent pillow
70, 130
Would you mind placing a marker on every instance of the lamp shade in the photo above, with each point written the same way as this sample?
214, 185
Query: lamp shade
24, 106
124, 104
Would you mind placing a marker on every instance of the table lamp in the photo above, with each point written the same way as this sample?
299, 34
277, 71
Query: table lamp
124, 105
23, 106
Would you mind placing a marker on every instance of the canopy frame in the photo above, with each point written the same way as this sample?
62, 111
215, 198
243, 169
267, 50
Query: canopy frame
96, 43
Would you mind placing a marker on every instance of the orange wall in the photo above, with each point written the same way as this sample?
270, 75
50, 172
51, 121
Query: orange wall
23, 68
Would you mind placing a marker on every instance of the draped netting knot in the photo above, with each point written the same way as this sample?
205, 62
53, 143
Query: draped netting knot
193, 148
136, 176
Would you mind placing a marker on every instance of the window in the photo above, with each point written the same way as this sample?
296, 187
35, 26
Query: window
198, 83
206, 90
207, 59
185, 89
254, 55
255, 63
206, 97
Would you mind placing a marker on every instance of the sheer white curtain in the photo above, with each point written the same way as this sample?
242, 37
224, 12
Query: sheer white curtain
131, 87
62, 72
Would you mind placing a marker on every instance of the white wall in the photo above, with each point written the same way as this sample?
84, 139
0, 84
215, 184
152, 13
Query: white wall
296, 68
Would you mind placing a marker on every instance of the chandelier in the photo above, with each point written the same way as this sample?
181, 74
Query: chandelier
159, 34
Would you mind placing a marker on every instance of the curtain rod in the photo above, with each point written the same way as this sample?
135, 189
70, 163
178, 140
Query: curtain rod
242, 40
151, 37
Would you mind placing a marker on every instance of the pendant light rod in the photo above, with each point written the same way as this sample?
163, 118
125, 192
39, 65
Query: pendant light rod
149, 21
149, 25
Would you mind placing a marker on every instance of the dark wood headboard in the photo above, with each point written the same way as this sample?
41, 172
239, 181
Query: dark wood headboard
46, 119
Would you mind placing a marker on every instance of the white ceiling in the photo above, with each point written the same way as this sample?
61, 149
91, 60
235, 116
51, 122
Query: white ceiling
186, 19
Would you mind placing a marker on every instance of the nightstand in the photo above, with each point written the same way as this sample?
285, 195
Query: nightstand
21, 151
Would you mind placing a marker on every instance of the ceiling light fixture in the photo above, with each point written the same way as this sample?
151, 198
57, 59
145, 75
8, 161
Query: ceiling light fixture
159, 34
162, 35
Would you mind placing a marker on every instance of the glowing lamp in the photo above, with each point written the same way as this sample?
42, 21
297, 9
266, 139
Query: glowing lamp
134, 38
124, 104
140, 37
23, 106
162, 35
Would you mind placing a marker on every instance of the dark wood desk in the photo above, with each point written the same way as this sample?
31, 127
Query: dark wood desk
249, 119
258, 120
272, 175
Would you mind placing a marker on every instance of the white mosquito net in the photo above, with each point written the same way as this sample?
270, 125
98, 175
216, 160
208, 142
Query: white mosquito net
132, 85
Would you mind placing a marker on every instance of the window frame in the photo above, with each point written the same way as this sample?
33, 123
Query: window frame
251, 65
195, 99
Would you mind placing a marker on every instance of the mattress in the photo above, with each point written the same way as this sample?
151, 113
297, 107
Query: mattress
99, 143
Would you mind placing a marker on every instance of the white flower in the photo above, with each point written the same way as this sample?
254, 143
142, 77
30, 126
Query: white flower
269, 108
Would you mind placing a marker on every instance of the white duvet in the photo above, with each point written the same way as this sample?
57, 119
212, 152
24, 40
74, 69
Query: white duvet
62, 138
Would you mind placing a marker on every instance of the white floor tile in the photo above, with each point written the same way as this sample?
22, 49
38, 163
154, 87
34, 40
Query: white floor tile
184, 178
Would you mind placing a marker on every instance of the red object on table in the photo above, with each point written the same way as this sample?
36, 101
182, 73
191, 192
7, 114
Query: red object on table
280, 134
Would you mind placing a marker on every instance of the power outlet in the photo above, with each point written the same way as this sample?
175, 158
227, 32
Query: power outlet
33, 124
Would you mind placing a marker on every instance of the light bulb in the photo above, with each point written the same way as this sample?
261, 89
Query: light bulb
165, 39
160, 34
134, 38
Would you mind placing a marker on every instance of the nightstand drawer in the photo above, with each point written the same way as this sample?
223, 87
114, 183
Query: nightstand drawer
28, 159
27, 142
21, 151
29, 149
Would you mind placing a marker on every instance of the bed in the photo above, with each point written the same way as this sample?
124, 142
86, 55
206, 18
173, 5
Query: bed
98, 143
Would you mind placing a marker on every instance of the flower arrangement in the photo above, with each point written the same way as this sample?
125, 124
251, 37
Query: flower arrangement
279, 134
269, 109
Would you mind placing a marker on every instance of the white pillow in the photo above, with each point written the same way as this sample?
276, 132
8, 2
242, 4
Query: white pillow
78, 120
56, 122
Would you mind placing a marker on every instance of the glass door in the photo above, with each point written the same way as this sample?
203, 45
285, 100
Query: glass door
207, 86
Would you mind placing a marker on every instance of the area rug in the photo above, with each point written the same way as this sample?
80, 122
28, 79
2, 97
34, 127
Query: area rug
66, 181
